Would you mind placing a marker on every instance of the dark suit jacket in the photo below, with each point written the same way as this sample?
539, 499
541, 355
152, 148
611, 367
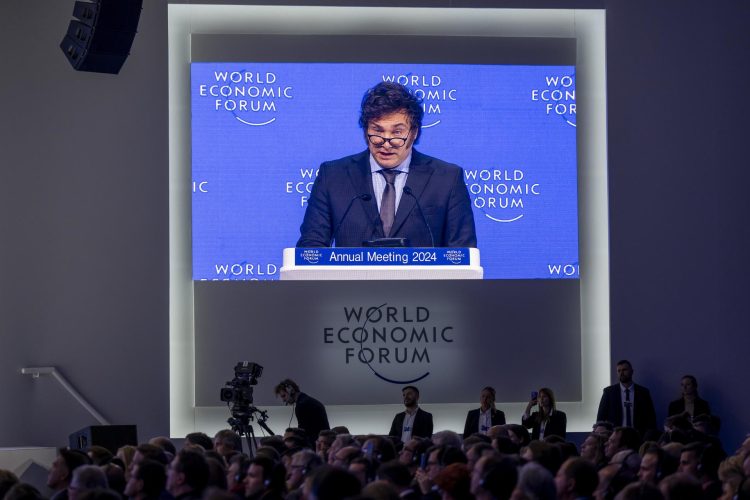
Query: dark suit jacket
556, 425
311, 416
422, 424
610, 408
439, 187
472, 421
700, 407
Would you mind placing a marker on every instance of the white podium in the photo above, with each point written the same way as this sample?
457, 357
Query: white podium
373, 264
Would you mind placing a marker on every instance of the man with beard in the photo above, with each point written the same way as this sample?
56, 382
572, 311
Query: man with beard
414, 421
627, 404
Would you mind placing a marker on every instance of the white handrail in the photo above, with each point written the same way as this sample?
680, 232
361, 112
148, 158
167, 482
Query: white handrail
38, 371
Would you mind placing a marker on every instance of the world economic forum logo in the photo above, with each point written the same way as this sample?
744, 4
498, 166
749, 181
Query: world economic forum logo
311, 255
501, 194
431, 89
252, 97
557, 97
397, 343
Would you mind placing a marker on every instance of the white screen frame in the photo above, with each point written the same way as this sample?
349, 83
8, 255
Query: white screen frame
586, 26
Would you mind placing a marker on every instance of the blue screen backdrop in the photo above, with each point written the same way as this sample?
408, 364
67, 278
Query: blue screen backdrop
260, 131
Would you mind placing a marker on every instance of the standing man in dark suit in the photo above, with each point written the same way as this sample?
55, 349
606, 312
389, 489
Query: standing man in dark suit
484, 417
390, 190
414, 422
627, 404
311, 414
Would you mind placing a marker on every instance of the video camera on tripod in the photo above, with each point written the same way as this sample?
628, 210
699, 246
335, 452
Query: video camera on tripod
238, 395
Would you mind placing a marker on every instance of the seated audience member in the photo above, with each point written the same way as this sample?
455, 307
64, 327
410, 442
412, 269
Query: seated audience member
86, 477
710, 425
743, 491
341, 429
518, 434
547, 420
679, 429
454, 482
217, 470
363, 468
265, 451
482, 419
147, 481
187, 475
125, 454
438, 457
414, 452
731, 474
413, 421
398, 475
23, 491
498, 430
681, 486
605, 489
323, 443
702, 462
576, 478
99, 455
304, 462
115, 477
200, 439
227, 443
545, 454
275, 442
236, 473
62, 469
379, 490
344, 456
689, 401
640, 491
622, 438
656, 464
165, 444
494, 478
265, 479
603, 428
566, 448
331, 483
534, 481
474, 453
379, 448
505, 446
470, 441
341, 441
447, 438
592, 449
7, 481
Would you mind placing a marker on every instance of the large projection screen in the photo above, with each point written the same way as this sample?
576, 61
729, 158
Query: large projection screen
194, 358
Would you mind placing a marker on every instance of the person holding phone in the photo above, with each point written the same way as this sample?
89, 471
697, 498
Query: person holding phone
547, 420
486, 416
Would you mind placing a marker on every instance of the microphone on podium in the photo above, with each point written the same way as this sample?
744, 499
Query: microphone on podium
363, 197
408, 191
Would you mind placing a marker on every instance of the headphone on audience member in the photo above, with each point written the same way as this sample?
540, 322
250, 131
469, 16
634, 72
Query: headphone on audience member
306, 468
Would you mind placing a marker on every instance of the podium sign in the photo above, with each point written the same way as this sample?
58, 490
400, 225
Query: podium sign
363, 263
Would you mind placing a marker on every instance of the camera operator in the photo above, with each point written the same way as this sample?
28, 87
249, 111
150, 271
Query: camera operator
311, 414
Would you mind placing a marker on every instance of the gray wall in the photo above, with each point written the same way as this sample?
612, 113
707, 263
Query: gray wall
84, 213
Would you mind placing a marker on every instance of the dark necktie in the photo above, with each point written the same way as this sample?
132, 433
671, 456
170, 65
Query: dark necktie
628, 409
388, 203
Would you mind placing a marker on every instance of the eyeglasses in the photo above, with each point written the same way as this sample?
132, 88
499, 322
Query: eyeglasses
379, 140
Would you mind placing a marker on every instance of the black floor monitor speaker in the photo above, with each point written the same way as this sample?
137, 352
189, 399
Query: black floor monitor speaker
100, 39
111, 437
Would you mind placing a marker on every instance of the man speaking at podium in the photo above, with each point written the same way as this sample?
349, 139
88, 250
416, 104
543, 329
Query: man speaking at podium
390, 190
